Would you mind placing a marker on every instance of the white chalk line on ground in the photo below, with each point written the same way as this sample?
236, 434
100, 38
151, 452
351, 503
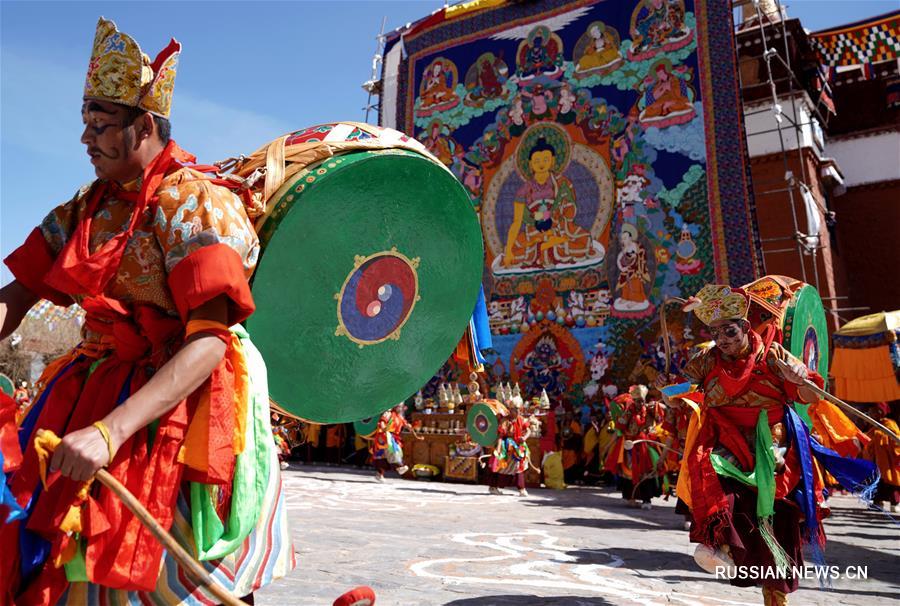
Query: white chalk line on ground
532, 558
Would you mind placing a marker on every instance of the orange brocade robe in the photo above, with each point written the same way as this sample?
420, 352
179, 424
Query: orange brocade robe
192, 242
885, 452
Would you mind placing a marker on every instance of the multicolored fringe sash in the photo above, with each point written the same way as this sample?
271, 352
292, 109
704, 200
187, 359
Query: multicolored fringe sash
10, 458
858, 476
214, 538
709, 503
510, 456
106, 545
763, 479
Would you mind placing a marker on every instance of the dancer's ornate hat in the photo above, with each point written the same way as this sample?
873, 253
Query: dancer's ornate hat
120, 72
717, 302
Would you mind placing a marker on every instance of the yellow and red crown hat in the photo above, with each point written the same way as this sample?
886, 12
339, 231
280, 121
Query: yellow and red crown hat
120, 72
717, 302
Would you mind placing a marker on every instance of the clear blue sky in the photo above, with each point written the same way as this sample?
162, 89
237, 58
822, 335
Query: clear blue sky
249, 72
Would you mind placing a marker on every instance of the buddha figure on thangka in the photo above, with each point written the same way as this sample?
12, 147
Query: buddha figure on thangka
485, 80
544, 233
631, 262
666, 97
438, 141
548, 359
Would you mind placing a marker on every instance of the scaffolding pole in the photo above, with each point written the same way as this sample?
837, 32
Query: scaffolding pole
770, 31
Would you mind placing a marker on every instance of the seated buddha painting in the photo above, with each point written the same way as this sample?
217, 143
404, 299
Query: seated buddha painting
658, 26
540, 54
549, 201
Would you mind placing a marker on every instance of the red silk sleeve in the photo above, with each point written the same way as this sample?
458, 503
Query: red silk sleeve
30, 263
207, 273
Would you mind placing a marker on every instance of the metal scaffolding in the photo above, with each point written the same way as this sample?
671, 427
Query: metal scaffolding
770, 21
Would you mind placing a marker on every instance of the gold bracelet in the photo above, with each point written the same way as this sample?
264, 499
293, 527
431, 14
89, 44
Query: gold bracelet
104, 431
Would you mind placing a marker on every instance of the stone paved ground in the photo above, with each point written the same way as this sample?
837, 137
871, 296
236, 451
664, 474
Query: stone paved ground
422, 543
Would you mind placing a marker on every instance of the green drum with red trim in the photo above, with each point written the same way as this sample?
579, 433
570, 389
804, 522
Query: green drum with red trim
796, 308
483, 420
369, 273
806, 329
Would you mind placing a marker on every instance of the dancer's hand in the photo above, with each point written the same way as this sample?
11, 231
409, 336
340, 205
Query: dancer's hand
795, 371
80, 454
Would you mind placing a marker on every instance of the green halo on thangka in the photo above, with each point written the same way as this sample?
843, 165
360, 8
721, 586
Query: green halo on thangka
368, 278
554, 136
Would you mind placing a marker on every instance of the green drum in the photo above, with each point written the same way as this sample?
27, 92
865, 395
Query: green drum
796, 308
366, 427
482, 422
6, 385
369, 274
806, 330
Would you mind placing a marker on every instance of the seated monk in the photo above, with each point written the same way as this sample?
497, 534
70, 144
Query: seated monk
601, 52
434, 89
665, 96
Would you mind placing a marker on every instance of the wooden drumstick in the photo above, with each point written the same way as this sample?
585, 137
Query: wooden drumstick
629, 444
840, 403
665, 328
184, 559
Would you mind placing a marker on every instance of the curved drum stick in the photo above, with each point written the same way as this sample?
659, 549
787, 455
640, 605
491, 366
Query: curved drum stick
841, 404
184, 559
629, 444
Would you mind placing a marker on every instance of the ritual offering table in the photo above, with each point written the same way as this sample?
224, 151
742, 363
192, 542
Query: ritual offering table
438, 431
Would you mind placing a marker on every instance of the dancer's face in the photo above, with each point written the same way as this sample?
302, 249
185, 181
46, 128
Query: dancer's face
110, 141
732, 336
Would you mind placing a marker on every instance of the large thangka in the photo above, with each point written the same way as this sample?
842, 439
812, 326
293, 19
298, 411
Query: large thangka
602, 145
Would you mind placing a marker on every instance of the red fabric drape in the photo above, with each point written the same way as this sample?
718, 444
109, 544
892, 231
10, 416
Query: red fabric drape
207, 273
30, 263
77, 270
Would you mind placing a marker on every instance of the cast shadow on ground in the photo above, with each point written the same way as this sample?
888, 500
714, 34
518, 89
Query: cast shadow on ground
450, 492
651, 560
573, 496
341, 480
867, 537
619, 524
881, 565
530, 600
